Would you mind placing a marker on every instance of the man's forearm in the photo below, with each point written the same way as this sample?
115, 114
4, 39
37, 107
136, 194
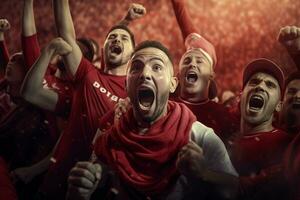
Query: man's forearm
28, 22
296, 59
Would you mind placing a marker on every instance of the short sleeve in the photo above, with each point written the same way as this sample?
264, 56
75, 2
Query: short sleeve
84, 68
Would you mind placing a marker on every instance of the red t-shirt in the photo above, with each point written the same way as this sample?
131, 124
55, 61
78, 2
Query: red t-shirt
4, 58
7, 190
252, 153
215, 116
95, 93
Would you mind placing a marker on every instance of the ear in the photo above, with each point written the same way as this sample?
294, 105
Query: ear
278, 106
174, 83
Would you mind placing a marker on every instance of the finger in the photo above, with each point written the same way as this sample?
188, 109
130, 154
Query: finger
195, 147
80, 182
79, 172
86, 165
293, 31
77, 190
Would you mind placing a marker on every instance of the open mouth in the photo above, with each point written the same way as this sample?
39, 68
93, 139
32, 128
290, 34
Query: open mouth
116, 49
191, 77
296, 105
145, 97
256, 102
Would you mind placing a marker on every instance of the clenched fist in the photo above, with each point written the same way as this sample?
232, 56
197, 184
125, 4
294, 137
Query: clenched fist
289, 37
4, 25
83, 180
135, 11
190, 160
59, 46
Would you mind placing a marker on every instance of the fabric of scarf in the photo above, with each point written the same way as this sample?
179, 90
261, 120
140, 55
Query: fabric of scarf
146, 162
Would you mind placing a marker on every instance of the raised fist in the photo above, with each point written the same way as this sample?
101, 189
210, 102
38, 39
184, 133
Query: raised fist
60, 46
190, 160
4, 25
289, 37
135, 11
83, 180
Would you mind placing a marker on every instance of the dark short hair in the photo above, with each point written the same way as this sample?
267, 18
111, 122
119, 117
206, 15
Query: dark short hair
120, 26
154, 44
89, 51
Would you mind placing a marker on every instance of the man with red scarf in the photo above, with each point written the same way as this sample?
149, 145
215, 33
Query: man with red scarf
197, 87
257, 152
157, 149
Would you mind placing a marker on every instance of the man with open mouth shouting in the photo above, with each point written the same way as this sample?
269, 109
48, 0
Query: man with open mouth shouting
157, 149
95, 93
257, 152
196, 75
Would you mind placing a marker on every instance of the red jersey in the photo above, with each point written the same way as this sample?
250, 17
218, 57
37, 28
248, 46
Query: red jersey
7, 190
95, 93
215, 116
4, 58
258, 160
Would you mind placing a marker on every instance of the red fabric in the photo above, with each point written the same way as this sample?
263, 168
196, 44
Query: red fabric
7, 190
94, 94
146, 162
183, 18
4, 58
252, 153
31, 49
215, 116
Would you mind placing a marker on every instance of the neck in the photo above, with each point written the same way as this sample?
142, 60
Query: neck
249, 129
116, 70
194, 98
143, 125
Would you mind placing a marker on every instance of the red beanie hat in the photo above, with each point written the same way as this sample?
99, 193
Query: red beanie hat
196, 41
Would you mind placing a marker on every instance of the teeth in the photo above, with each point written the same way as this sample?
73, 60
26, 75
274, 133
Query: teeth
192, 77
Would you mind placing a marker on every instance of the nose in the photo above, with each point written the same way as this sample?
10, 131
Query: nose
145, 75
259, 88
116, 40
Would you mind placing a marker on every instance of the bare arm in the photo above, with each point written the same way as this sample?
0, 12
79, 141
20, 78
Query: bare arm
65, 28
28, 23
32, 89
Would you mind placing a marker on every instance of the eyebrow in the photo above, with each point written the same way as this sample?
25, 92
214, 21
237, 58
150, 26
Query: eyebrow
123, 35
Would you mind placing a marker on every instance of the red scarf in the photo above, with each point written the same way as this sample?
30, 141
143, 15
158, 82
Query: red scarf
147, 162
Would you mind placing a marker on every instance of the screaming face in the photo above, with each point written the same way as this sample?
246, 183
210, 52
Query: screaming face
291, 104
260, 98
195, 72
149, 82
118, 48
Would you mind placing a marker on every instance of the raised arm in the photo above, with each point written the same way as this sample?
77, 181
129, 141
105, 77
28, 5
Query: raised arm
65, 28
32, 89
135, 11
4, 55
183, 18
30, 46
289, 37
